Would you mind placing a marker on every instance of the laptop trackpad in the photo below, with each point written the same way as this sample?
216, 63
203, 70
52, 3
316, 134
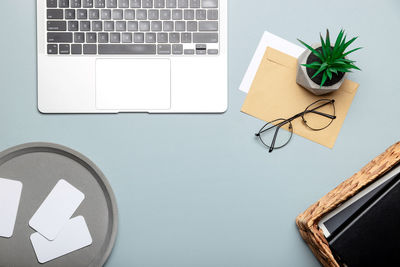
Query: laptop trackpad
133, 84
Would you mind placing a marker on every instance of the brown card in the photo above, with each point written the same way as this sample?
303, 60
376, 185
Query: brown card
275, 94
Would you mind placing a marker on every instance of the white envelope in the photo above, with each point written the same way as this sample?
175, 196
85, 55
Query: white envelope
10, 195
268, 40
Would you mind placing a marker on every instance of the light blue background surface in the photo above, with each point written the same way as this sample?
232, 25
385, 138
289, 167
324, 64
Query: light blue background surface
199, 190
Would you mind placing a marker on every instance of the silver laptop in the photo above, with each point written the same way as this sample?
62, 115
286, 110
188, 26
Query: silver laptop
110, 56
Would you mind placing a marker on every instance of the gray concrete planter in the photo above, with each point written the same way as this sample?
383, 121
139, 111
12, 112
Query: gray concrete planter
305, 81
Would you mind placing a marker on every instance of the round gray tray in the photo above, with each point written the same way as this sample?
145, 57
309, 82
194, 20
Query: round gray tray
39, 166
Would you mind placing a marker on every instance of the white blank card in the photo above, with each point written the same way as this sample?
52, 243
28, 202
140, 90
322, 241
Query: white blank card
10, 195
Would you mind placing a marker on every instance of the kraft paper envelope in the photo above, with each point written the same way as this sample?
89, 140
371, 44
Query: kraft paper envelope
275, 94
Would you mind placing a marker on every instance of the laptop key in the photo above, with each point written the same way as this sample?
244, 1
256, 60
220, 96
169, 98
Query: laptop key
81, 14
79, 37
189, 51
75, 3
129, 14
91, 37
168, 26
111, 3
192, 26
174, 38
64, 49
208, 26
159, 3
156, 26
120, 26
151, 37
99, 3
56, 26
141, 14
213, 51
201, 14
123, 3
136, 3
127, 49
85, 26
51, 3
106, 14
180, 26
133, 26
89, 49
76, 49
162, 37
109, 26
103, 37
147, 3
183, 3
177, 14
117, 14
94, 14
127, 37
177, 49
194, 3
59, 37
144, 26
97, 26
186, 37
164, 49
189, 14
165, 14
115, 37
209, 3
171, 4
138, 37
52, 49
73, 26
70, 14
87, 3
63, 3
55, 14
212, 14
154, 14
205, 38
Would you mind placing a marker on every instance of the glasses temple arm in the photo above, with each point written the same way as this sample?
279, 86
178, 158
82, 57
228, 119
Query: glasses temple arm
272, 146
323, 105
322, 114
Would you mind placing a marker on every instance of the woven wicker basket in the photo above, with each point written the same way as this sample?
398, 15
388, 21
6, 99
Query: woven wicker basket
307, 222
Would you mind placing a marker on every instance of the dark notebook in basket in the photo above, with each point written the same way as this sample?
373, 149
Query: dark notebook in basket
336, 224
372, 237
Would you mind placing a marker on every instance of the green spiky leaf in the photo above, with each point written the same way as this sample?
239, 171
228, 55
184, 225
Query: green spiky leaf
328, 40
324, 78
324, 48
315, 65
351, 51
315, 52
329, 73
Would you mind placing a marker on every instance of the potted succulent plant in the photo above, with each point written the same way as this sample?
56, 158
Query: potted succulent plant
322, 68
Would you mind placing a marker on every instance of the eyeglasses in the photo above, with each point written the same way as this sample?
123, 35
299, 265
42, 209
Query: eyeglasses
317, 116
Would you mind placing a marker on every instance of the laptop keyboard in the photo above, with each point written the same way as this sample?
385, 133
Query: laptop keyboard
132, 27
